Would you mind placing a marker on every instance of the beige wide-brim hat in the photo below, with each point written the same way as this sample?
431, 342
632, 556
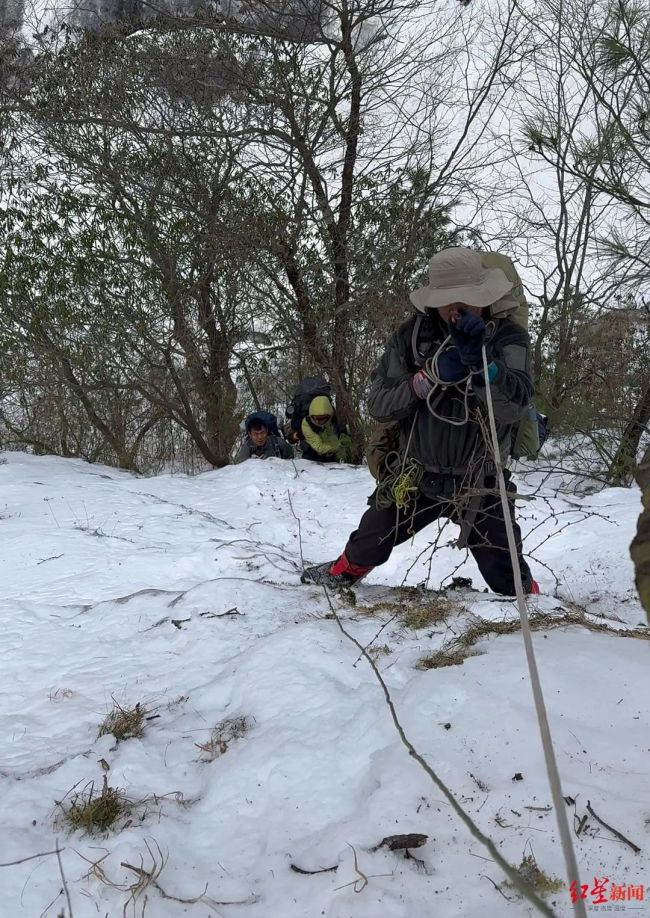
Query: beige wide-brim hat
458, 276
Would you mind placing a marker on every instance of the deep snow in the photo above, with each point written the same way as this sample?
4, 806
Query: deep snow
95, 565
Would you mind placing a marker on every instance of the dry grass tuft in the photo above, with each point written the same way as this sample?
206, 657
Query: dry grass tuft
541, 882
381, 650
480, 628
96, 812
542, 621
416, 609
442, 658
429, 612
233, 728
124, 723
460, 648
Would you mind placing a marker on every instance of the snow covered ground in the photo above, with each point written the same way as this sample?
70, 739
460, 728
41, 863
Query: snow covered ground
182, 594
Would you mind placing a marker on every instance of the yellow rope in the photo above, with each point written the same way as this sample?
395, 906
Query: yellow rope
404, 490
400, 482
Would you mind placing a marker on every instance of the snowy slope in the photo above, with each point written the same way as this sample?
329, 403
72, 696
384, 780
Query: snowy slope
116, 588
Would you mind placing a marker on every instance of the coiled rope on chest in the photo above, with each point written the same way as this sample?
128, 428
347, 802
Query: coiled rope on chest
402, 476
400, 484
439, 387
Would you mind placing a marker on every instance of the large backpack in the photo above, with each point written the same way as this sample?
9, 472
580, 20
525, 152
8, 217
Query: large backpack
306, 390
530, 434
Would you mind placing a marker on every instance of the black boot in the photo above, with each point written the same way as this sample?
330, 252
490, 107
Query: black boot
320, 574
336, 575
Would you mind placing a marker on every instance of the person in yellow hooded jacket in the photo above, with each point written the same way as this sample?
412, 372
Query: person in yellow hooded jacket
321, 439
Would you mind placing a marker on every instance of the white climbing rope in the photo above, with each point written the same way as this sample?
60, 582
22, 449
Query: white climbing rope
439, 385
538, 696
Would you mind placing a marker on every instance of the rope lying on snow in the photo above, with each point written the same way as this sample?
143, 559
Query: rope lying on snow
511, 872
538, 696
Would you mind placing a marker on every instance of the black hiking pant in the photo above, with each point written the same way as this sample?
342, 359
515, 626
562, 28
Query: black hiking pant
380, 530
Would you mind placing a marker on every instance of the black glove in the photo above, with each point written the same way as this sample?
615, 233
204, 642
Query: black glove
450, 366
468, 334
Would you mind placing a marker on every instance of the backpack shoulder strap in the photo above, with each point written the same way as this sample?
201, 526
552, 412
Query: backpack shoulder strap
418, 359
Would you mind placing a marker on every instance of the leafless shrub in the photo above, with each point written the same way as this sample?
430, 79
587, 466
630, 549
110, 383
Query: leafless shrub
222, 736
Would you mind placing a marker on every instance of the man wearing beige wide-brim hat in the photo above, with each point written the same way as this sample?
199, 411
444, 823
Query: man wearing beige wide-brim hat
430, 391
459, 276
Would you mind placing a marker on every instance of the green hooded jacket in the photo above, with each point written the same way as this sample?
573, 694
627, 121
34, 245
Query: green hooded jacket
323, 444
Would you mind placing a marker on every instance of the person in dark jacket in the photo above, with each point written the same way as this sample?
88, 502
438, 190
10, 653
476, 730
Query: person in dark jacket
430, 382
261, 442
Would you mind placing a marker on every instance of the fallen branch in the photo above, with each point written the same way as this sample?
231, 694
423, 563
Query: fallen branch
31, 857
362, 880
297, 519
156, 624
615, 832
150, 878
233, 611
309, 873
370, 643
65, 885
581, 823
484, 876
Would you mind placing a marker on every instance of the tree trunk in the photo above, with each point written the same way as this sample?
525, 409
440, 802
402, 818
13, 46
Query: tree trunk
221, 428
640, 547
540, 341
114, 438
624, 462
347, 413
